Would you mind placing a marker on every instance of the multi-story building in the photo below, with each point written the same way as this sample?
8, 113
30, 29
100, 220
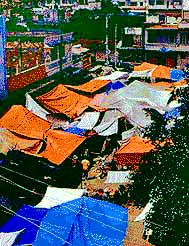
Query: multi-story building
27, 50
167, 44
164, 37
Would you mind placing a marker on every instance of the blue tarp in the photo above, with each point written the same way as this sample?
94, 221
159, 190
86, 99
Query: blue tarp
176, 75
76, 130
81, 222
114, 86
17, 223
84, 222
174, 113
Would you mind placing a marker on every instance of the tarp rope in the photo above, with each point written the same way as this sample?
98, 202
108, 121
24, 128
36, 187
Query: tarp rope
66, 206
24, 218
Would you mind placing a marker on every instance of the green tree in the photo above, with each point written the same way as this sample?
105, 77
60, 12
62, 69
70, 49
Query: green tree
166, 178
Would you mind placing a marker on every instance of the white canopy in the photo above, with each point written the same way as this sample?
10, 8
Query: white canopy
109, 123
35, 108
117, 177
8, 238
56, 196
88, 120
114, 76
145, 211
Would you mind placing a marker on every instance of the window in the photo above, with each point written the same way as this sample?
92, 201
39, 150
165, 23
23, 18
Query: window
184, 40
152, 2
160, 2
153, 36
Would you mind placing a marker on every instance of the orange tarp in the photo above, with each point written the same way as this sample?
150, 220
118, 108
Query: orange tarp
9, 141
60, 145
91, 86
170, 85
64, 101
22, 130
144, 66
164, 27
131, 152
159, 71
21, 121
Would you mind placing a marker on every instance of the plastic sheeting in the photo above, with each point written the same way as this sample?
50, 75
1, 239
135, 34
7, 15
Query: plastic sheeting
60, 145
8, 238
142, 92
76, 130
21, 121
131, 152
9, 141
141, 74
109, 123
136, 92
157, 71
84, 222
145, 211
114, 86
88, 120
107, 129
56, 196
144, 66
173, 114
117, 177
35, 108
81, 222
176, 75
91, 86
64, 101
114, 76
17, 222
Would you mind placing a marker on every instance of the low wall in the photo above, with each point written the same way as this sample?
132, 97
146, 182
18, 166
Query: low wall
27, 77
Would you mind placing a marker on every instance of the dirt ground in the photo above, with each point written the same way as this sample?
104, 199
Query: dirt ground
135, 229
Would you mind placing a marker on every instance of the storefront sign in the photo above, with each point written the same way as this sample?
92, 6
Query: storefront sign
3, 80
133, 30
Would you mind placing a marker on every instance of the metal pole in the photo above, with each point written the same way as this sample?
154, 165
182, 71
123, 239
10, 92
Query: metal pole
115, 45
107, 62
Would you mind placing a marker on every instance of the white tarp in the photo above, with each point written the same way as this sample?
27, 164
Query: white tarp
8, 238
142, 92
132, 99
109, 123
132, 109
126, 135
56, 196
138, 117
114, 76
145, 211
88, 120
117, 177
107, 129
141, 74
35, 108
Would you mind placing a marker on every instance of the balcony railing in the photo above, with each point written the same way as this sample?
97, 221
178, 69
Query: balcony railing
170, 7
167, 47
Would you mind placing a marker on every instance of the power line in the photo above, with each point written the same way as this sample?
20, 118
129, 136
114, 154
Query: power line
65, 206
23, 175
47, 184
24, 218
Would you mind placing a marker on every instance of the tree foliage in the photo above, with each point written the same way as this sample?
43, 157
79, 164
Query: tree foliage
165, 177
